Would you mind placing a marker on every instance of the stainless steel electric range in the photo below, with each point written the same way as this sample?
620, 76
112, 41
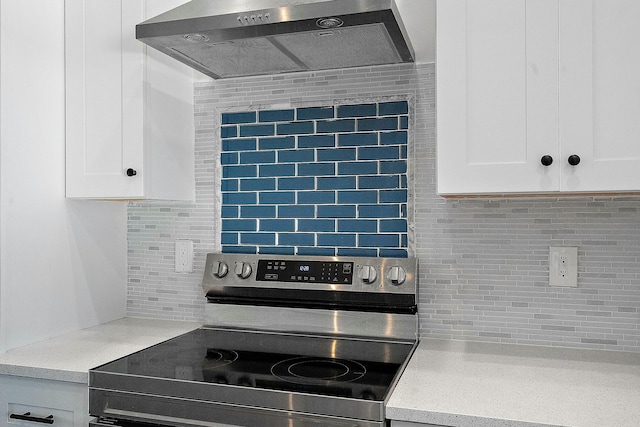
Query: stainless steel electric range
288, 341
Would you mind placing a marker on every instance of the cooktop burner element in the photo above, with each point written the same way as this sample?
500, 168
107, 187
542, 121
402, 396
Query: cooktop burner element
308, 370
288, 342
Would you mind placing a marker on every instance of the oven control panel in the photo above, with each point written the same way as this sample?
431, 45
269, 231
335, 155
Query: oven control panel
354, 274
305, 271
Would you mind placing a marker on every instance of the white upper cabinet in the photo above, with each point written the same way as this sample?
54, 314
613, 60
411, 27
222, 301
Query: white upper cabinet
523, 85
129, 110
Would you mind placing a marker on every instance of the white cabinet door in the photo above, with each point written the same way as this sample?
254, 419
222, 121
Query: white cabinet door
98, 154
497, 64
64, 403
600, 94
129, 114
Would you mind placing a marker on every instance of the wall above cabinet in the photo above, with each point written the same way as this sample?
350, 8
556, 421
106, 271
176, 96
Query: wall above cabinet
129, 112
533, 100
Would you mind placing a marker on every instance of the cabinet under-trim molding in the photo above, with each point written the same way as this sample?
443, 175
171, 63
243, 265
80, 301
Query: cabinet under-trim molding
30, 401
129, 109
538, 96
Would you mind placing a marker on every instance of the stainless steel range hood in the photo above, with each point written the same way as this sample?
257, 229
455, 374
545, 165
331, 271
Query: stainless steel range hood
231, 38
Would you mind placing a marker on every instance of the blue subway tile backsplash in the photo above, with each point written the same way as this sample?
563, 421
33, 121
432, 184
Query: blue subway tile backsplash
278, 225
255, 157
277, 197
277, 143
315, 141
385, 123
276, 116
357, 139
260, 184
336, 183
325, 180
257, 130
315, 113
307, 183
241, 117
359, 110
330, 126
295, 128
393, 108
277, 170
229, 131
238, 144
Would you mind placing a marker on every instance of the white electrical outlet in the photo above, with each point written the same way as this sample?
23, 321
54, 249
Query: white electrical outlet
184, 256
563, 266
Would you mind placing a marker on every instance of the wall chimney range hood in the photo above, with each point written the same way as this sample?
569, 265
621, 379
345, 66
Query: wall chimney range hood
225, 39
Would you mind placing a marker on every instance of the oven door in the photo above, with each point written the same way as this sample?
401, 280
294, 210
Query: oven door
130, 410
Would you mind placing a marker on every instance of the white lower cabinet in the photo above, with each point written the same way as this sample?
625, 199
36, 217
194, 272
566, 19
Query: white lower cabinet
31, 402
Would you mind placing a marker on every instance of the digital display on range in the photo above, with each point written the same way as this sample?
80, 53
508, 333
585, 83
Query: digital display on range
338, 273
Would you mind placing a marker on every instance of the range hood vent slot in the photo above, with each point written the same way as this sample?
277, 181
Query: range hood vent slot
303, 36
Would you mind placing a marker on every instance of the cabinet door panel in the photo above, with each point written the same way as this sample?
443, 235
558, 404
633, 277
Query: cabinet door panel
95, 77
497, 88
600, 94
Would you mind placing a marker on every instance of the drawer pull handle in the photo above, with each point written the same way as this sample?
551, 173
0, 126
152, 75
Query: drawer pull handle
28, 417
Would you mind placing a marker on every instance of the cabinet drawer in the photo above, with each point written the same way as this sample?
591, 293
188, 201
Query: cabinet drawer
66, 402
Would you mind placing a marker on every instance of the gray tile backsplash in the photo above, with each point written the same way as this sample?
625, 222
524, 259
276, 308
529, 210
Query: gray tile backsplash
483, 263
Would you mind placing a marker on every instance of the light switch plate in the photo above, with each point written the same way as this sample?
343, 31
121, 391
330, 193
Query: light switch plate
563, 266
184, 256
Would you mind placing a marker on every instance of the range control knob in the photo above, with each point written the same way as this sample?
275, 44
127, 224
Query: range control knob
243, 270
219, 269
368, 274
397, 275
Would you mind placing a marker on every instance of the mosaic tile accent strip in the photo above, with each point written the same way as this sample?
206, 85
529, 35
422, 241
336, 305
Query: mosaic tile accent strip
310, 180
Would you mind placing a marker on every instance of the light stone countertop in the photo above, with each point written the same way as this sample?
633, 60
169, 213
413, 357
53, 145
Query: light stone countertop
450, 383
69, 357
469, 384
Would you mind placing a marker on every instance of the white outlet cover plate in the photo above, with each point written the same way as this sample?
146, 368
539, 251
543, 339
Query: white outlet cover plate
184, 256
563, 266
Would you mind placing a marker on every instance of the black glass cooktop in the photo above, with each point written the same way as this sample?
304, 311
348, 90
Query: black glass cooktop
352, 368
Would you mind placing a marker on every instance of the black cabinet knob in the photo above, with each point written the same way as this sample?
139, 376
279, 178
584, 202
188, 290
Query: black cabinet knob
546, 160
574, 160
131, 172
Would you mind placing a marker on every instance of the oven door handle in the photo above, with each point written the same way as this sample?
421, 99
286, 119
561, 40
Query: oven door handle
28, 417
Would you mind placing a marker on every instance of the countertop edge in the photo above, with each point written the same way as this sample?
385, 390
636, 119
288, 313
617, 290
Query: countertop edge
44, 373
420, 416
